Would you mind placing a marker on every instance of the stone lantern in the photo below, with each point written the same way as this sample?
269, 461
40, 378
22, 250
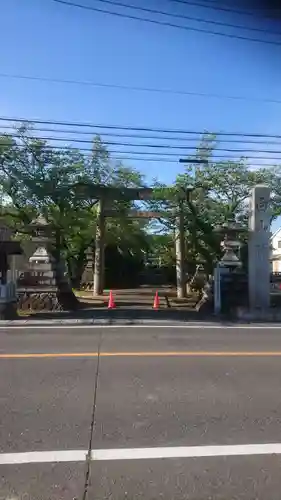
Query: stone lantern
45, 286
230, 281
230, 244
41, 229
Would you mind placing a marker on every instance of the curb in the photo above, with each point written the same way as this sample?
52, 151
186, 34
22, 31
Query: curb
90, 322
115, 321
100, 322
72, 324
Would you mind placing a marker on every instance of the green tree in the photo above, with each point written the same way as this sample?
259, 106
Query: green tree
220, 193
38, 179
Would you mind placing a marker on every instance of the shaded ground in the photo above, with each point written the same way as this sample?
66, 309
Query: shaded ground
136, 305
141, 297
131, 304
128, 314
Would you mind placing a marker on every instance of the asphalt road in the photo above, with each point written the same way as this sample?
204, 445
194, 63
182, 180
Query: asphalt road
158, 389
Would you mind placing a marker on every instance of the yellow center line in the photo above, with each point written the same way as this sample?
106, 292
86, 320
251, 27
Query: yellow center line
141, 354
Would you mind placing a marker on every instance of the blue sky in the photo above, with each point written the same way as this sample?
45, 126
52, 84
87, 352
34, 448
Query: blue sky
45, 39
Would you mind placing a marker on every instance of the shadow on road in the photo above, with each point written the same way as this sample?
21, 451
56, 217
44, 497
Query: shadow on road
128, 315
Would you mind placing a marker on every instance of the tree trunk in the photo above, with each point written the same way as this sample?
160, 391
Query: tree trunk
76, 268
66, 297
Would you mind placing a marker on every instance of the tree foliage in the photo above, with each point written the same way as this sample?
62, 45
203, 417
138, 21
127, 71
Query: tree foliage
35, 178
38, 178
220, 193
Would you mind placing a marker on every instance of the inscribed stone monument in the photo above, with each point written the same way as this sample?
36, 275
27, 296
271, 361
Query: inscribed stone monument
259, 248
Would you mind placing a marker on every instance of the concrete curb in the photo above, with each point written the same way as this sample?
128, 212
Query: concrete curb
115, 321
119, 323
92, 322
266, 316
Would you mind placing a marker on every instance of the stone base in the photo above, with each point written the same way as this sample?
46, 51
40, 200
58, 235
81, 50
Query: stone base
8, 311
47, 300
87, 285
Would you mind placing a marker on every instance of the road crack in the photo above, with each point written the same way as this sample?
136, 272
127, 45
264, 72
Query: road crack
92, 425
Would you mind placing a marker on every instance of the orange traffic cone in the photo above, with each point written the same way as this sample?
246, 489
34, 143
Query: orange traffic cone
156, 303
111, 303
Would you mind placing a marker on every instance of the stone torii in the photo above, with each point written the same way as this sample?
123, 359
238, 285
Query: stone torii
106, 194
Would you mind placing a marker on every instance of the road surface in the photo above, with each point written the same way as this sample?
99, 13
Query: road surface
169, 413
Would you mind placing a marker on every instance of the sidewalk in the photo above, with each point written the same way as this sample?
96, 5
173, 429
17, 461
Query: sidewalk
140, 298
103, 316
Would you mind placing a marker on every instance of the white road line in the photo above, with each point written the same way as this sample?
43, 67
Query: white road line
187, 452
139, 326
37, 457
140, 453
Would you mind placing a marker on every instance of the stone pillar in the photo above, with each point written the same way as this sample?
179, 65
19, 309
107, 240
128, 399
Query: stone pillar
179, 241
259, 248
99, 251
8, 292
88, 273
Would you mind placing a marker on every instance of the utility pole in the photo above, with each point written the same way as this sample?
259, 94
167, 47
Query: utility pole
99, 250
180, 247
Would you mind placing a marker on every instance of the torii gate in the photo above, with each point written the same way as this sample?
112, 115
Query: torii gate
111, 193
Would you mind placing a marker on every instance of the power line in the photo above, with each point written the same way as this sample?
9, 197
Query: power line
141, 136
189, 18
213, 160
139, 89
142, 154
240, 12
149, 145
144, 136
148, 159
135, 129
167, 24
134, 136
254, 8
163, 156
223, 4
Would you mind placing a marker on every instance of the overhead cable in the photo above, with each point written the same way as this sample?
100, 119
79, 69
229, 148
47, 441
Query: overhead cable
147, 145
143, 154
183, 16
224, 8
132, 128
138, 89
127, 135
167, 24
